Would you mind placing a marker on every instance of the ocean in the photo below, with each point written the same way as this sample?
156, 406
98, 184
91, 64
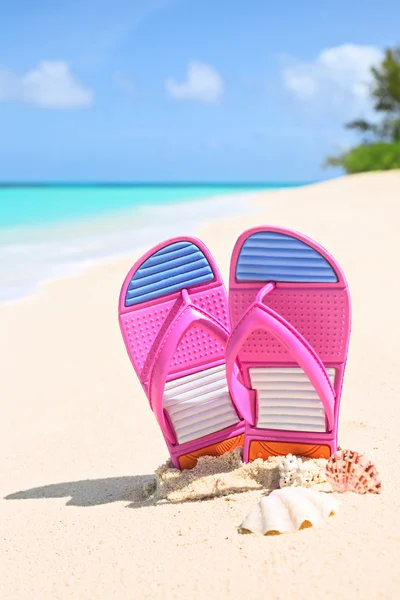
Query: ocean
50, 231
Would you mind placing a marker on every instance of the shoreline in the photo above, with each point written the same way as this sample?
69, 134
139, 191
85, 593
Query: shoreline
108, 237
123, 221
174, 184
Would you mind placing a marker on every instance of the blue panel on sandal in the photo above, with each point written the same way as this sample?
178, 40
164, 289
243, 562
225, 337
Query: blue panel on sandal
271, 256
177, 266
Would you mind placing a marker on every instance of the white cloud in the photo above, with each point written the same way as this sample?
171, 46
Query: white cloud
339, 75
203, 83
49, 85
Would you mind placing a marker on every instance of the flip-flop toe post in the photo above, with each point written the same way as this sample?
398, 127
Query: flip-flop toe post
290, 316
173, 315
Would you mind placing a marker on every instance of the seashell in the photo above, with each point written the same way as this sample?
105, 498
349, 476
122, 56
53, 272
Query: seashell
294, 471
289, 509
288, 471
349, 471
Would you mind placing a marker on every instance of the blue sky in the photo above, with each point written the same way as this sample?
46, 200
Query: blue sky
204, 90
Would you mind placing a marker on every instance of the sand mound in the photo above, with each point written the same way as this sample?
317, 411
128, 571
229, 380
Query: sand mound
221, 476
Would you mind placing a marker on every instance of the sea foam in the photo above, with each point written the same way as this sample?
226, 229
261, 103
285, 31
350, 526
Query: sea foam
30, 255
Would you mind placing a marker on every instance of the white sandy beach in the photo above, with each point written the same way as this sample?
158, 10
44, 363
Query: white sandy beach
78, 440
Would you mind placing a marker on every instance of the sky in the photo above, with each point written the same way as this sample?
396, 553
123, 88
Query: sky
184, 90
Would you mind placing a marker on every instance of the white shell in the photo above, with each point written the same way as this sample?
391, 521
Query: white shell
289, 509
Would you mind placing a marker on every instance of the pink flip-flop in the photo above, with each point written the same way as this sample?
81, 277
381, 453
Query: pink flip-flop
290, 315
173, 315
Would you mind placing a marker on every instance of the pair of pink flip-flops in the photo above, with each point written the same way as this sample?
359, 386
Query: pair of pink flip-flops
262, 368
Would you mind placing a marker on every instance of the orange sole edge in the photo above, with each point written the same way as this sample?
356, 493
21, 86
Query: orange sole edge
264, 450
188, 461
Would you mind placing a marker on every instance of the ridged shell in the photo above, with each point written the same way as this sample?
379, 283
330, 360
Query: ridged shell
289, 509
349, 471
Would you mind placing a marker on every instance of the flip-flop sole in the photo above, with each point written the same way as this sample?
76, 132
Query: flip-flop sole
196, 397
311, 294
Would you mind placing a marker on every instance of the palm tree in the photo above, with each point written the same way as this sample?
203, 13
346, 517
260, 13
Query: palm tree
385, 91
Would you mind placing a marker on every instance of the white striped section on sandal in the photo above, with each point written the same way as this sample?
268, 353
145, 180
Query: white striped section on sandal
287, 399
199, 404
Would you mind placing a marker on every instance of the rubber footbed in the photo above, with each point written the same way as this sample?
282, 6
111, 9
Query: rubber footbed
144, 327
305, 309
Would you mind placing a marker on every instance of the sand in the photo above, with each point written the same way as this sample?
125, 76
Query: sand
79, 443
225, 475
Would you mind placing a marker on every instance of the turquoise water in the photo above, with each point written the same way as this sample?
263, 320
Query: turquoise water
38, 205
48, 232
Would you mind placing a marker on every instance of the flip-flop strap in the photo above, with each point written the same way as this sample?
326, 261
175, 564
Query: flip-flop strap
188, 316
259, 316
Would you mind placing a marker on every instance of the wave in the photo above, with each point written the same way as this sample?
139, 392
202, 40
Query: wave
30, 256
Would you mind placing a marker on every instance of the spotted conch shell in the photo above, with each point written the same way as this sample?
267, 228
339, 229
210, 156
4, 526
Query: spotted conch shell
349, 471
296, 471
289, 509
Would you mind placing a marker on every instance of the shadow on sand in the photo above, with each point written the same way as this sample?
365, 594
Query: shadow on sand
93, 492
135, 490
